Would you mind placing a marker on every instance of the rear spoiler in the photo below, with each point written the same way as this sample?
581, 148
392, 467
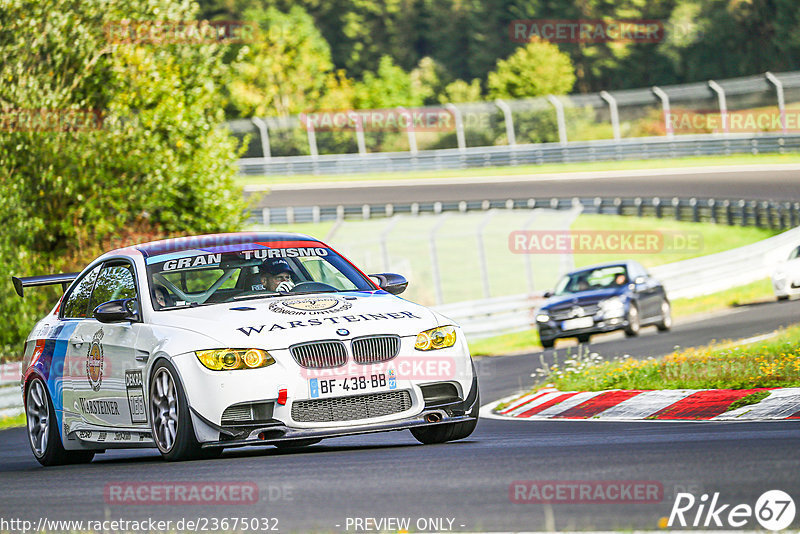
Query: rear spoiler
65, 279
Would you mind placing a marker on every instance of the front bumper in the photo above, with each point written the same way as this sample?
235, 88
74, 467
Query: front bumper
552, 329
270, 433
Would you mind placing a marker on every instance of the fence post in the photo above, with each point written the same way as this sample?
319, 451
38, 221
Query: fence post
728, 212
712, 206
664, 97
482, 253
358, 126
265, 214
509, 120
384, 245
412, 134
612, 105
743, 210
723, 104
562, 123
263, 130
315, 214
676, 204
312, 135
781, 102
462, 143
437, 281
639, 209
657, 207
527, 255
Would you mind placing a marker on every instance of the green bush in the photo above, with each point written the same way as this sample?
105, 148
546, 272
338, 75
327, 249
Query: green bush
153, 161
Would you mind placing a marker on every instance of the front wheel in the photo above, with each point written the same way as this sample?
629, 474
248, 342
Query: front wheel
42, 425
783, 297
547, 343
170, 421
584, 338
666, 317
448, 432
632, 330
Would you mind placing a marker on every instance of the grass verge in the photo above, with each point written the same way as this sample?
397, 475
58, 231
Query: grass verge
12, 422
742, 159
765, 364
529, 339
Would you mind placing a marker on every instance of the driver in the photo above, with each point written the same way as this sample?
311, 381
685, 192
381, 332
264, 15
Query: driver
276, 275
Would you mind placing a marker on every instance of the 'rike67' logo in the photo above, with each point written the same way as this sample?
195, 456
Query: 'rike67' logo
94, 361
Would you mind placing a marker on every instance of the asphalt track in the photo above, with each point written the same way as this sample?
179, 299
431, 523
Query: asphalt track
391, 476
774, 182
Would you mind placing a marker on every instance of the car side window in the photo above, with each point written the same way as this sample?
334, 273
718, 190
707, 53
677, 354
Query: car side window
116, 281
795, 254
77, 304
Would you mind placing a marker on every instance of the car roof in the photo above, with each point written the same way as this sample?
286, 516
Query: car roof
621, 263
217, 243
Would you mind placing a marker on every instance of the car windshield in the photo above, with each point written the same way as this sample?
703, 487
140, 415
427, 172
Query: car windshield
592, 279
253, 271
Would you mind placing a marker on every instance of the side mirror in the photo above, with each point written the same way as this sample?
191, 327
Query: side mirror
390, 282
115, 311
547, 294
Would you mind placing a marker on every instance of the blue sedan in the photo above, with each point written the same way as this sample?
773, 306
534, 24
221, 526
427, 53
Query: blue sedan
603, 298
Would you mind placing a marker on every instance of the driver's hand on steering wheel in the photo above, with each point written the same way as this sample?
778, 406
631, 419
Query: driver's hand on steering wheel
285, 286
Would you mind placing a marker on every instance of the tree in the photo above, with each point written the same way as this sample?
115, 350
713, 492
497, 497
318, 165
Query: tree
284, 68
389, 87
536, 69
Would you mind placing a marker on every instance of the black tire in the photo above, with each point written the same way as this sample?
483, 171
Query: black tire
41, 422
783, 297
449, 432
182, 444
296, 443
547, 343
666, 317
584, 338
634, 323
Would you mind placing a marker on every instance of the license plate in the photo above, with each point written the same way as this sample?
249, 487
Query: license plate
337, 387
577, 324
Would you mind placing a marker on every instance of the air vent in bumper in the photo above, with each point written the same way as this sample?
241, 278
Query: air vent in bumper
351, 408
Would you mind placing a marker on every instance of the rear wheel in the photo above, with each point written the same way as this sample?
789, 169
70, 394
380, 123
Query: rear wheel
42, 425
783, 297
448, 432
170, 421
584, 338
666, 317
632, 330
547, 343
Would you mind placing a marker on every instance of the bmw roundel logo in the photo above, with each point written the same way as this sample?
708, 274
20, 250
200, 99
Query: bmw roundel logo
343, 332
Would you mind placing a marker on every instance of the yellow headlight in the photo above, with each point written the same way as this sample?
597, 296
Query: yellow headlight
436, 338
233, 359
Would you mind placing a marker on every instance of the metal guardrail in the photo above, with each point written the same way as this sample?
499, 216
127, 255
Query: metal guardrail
526, 154
738, 212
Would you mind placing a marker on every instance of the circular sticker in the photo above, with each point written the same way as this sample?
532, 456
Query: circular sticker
94, 361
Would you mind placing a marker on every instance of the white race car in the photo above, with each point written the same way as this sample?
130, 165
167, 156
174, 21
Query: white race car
786, 277
195, 344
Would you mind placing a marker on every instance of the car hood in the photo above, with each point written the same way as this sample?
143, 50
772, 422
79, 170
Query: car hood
276, 323
583, 298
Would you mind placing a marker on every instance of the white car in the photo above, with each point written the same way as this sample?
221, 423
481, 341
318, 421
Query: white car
196, 344
786, 278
